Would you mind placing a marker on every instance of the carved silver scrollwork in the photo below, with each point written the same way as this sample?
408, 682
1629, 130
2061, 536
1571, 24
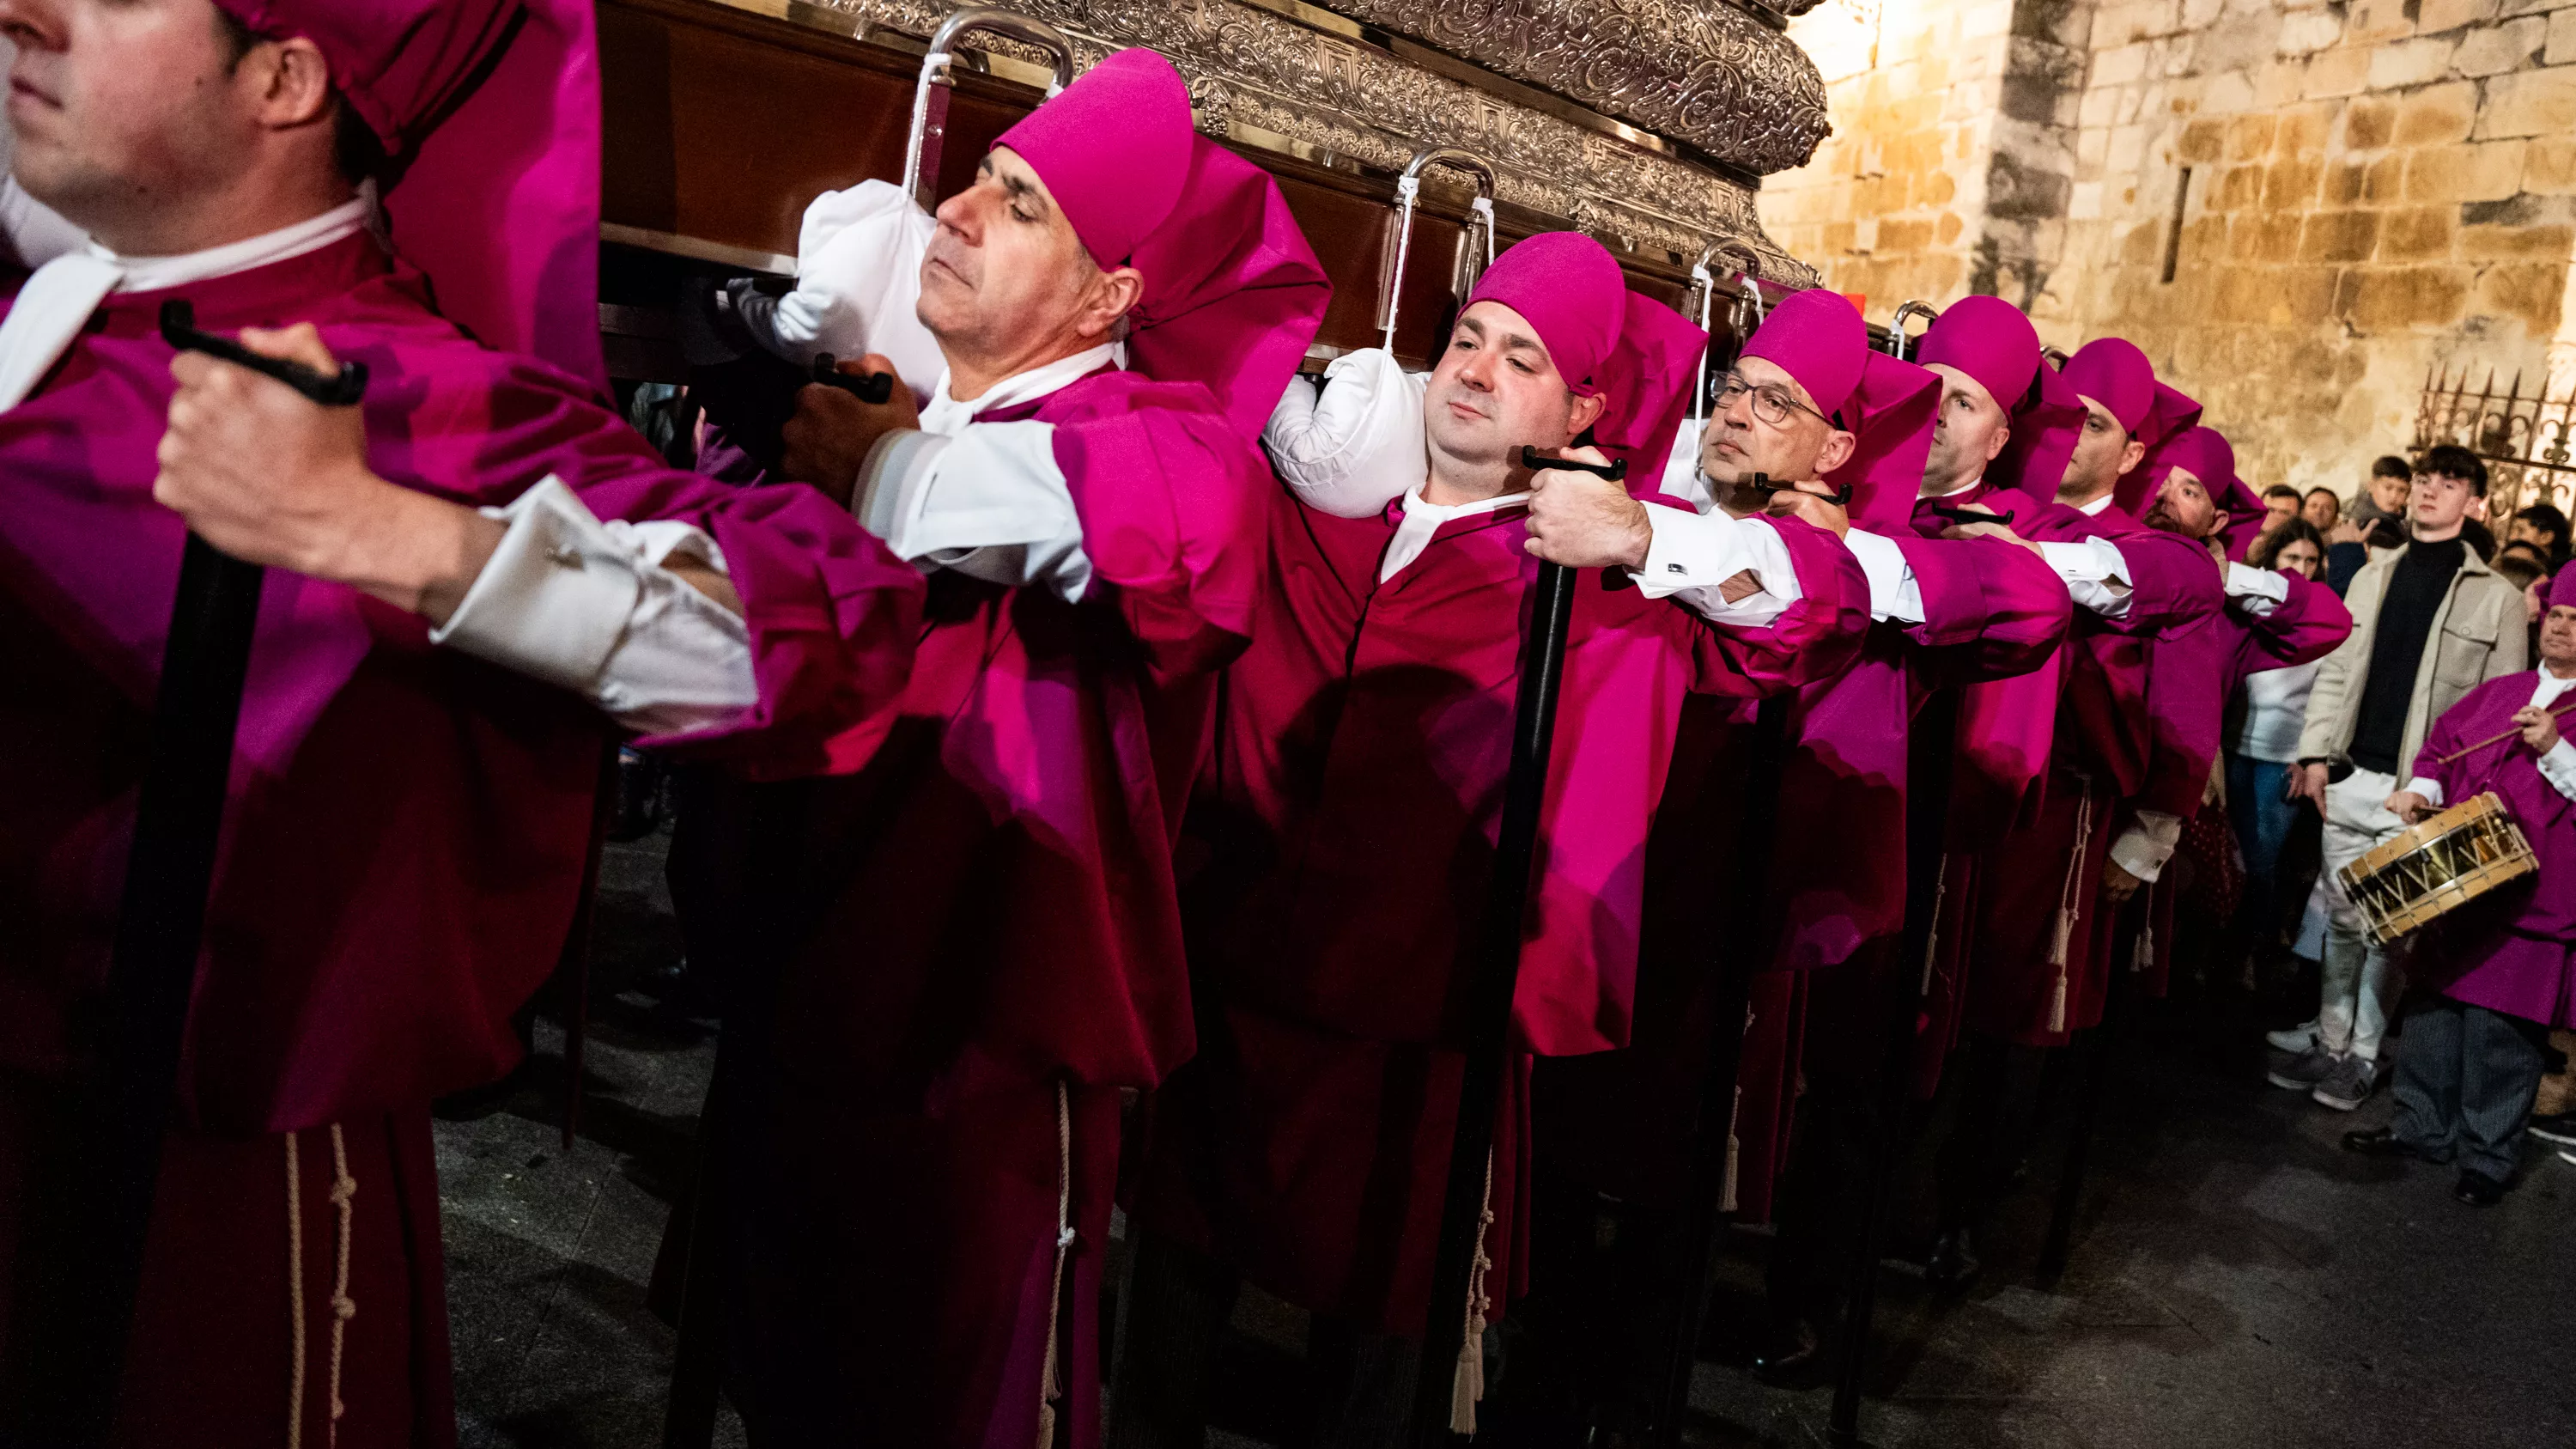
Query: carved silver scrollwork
1700, 71
1256, 76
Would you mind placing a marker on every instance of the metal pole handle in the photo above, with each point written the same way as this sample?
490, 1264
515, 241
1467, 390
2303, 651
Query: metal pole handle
1898, 344
1704, 283
1408, 195
918, 148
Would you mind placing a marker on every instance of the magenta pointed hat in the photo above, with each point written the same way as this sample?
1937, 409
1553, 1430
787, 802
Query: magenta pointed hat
2562, 588
1636, 354
2113, 372
1887, 406
1818, 338
1890, 414
488, 111
2206, 455
1115, 150
1233, 293
1991, 341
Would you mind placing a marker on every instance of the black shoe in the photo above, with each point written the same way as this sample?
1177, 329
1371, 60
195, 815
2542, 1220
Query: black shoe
2384, 1142
1953, 1264
2558, 1127
2477, 1189
1789, 1351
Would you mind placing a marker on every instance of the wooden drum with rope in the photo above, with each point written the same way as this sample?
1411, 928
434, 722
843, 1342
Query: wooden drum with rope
2438, 865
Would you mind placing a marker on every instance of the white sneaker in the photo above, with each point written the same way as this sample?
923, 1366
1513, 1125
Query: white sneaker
2293, 1039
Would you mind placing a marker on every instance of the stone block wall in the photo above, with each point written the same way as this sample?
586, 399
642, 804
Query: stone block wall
2297, 208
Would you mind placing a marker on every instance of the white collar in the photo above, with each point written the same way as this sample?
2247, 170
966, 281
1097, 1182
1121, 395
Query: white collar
2094, 508
152, 274
1962, 488
1423, 518
59, 299
948, 417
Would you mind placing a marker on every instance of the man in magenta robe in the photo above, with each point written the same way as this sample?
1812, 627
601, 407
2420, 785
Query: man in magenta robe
472, 579
1347, 816
2272, 620
2029, 952
1945, 611
976, 948
2470, 1060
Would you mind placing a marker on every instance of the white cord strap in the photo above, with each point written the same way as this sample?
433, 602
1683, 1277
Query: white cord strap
1050, 1381
344, 1192
2067, 905
1467, 1385
294, 1297
1932, 937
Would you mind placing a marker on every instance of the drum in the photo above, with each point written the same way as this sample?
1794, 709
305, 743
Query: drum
2433, 868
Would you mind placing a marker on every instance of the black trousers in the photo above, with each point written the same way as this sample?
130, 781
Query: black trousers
1360, 1382
2466, 1078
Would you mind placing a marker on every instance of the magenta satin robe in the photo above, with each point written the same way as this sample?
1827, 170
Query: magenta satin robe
983, 915
2194, 671
1346, 822
1836, 873
2001, 930
2514, 952
406, 831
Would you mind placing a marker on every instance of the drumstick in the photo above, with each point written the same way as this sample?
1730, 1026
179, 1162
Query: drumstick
2497, 739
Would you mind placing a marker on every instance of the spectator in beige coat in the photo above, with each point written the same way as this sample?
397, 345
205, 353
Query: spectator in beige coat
2431, 621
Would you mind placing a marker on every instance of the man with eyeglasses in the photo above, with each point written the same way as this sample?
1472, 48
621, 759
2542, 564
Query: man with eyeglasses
1811, 406
2024, 958
2431, 623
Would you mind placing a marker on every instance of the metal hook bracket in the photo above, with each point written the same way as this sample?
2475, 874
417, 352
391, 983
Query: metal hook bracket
1408, 198
930, 93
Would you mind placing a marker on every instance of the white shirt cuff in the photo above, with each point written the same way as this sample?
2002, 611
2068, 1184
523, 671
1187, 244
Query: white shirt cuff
2431, 790
2558, 767
2145, 846
989, 503
1690, 554
2257, 591
1893, 591
588, 606
2096, 576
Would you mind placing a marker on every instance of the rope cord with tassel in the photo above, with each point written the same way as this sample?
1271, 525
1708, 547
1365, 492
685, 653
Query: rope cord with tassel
2068, 906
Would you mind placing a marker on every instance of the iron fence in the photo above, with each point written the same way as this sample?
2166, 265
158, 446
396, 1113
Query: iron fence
2528, 441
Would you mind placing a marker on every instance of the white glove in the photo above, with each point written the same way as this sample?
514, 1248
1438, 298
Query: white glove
858, 282
1682, 478
1357, 448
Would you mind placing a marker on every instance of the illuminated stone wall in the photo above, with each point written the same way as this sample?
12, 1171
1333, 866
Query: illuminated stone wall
2296, 208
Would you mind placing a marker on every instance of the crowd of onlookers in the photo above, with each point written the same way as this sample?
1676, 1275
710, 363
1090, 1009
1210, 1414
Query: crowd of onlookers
2328, 760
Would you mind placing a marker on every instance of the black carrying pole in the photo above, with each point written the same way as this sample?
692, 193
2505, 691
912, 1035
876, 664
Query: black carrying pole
160, 927
2098, 1044
1736, 959
1927, 818
1493, 968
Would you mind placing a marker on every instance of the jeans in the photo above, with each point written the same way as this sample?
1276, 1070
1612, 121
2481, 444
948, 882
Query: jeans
2361, 980
2262, 816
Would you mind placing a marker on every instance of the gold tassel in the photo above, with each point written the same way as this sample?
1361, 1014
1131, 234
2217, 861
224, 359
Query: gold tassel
2057, 1001
2144, 958
2062, 940
1467, 1384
